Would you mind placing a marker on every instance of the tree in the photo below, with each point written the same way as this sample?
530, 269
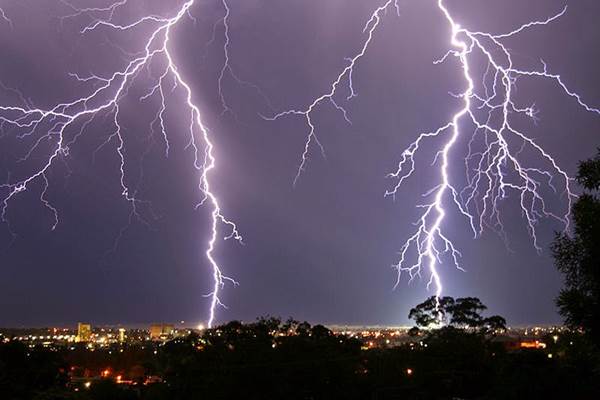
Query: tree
25, 371
464, 313
493, 324
578, 256
432, 311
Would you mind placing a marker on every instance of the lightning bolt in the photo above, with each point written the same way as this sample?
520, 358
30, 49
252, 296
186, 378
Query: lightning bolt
493, 163
61, 125
4, 18
495, 170
227, 69
306, 113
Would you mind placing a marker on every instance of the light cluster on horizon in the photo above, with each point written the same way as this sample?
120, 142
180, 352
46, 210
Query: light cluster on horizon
63, 124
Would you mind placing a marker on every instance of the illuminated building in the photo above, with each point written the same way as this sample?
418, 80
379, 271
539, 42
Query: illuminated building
161, 331
84, 332
530, 344
121, 335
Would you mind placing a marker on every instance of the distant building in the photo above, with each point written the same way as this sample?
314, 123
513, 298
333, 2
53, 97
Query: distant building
84, 332
532, 344
122, 335
161, 331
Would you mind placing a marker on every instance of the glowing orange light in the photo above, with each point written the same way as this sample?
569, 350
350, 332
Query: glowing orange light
533, 345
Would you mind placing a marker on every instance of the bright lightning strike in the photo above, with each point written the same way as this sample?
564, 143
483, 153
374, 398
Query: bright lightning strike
493, 164
61, 125
495, 170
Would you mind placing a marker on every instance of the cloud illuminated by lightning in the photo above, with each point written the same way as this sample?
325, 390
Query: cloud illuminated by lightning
494, 168
62, 124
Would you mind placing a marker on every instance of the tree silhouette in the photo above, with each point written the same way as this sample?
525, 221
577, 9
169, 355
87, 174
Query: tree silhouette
464, 313
578, 257
25, 371
493, 324
432, 311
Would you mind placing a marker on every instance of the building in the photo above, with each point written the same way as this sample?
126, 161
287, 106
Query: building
161, 331
122, 336
84, 332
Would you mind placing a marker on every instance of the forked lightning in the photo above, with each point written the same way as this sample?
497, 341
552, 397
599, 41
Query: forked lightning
493, 162
62, 124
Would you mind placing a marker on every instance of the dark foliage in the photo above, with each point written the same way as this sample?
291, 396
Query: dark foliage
257, 361
578, 256
25, 372
463, 312
261, 362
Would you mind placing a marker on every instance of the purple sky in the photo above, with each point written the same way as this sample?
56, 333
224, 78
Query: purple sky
320, 251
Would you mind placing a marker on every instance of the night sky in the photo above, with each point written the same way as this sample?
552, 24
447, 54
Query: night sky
320, 251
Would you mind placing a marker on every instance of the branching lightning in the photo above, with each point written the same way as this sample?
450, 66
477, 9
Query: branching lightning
4, 18
494, 168
487, 121
61, 125
227, 69
307, 113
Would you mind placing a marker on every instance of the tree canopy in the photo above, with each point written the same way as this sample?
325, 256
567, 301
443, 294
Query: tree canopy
578, 256
462, 312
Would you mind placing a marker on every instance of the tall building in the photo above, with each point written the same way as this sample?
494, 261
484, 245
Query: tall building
161, 331
84, 332
121, 335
